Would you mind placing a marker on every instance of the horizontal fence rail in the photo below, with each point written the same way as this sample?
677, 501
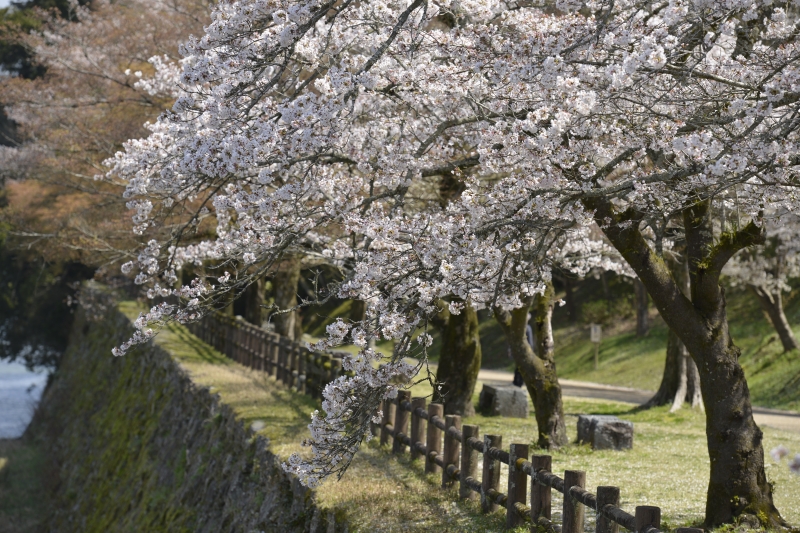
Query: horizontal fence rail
453, 450
447, 447
289, 362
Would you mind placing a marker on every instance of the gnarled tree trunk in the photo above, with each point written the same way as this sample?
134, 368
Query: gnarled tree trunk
641, 300
284, 287
681, 381
459, 361
538, 370
738, 482
772, 304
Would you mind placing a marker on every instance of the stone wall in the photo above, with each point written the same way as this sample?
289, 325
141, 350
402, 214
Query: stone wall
138, 447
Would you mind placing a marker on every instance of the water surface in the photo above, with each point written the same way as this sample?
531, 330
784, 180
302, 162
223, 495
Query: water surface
20, 391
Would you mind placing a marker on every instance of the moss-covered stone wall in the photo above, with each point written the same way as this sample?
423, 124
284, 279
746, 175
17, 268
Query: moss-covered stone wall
139, 447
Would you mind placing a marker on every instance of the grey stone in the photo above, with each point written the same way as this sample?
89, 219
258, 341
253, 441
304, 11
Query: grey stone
504, 400
605, 432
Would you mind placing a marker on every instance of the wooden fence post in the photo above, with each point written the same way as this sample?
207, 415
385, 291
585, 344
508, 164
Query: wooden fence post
491, 473
517, 484
400, 422
434, 438
388, 416
647, 516
274, 355
605, 496
469, 462
252, 362
573, 510
417, 426
302, 363
541, 494
450, 455
281, 357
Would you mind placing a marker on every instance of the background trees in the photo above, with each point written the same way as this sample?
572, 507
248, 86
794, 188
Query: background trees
618, 114
68, 105
766, 269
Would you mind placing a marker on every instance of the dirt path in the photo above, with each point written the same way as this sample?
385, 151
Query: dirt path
785, 420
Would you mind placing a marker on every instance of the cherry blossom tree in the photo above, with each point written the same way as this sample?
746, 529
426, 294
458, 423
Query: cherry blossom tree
89, 98
766, 269
306, 127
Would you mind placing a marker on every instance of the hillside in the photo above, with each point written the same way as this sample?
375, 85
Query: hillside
628, 361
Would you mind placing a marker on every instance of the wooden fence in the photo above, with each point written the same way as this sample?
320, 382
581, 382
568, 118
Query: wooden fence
441, 441
452, 449
287, 361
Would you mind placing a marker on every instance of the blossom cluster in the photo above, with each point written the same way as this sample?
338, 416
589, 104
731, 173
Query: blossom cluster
455, 149
782, 451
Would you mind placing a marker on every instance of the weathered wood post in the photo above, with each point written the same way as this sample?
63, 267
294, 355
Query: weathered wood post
281, 355
302, 370
251, 347
434, 438
417, 426
400, 422
517, 484
450, 455
647, 516
606, 496
541, 494
469, 462
490, 481
291, 372
573, 511
388, 416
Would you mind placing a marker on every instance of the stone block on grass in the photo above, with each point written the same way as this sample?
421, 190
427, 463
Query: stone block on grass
503, 400
605, 432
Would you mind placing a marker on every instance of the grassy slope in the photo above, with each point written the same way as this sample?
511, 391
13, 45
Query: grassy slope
381, 492
628, 361
773, 377
23, 502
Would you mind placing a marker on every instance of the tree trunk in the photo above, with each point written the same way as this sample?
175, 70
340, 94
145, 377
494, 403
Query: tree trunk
459, 361
284, 286
538, 370
641, 299
671, 377
772, 304
254, 302
680, 381
738, 482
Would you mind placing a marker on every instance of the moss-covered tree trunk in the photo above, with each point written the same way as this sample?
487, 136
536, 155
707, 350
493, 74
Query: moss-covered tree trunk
538, 370
738, 482
681, 381
284, 288
641, 304
772, 304
254, 302
459, 361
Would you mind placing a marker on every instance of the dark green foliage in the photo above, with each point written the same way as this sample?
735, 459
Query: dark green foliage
34, 313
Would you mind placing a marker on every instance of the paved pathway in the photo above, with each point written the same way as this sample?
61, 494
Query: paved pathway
786, 420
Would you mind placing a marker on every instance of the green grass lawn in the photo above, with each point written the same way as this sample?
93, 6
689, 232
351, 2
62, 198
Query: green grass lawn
382, 492
630, 361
